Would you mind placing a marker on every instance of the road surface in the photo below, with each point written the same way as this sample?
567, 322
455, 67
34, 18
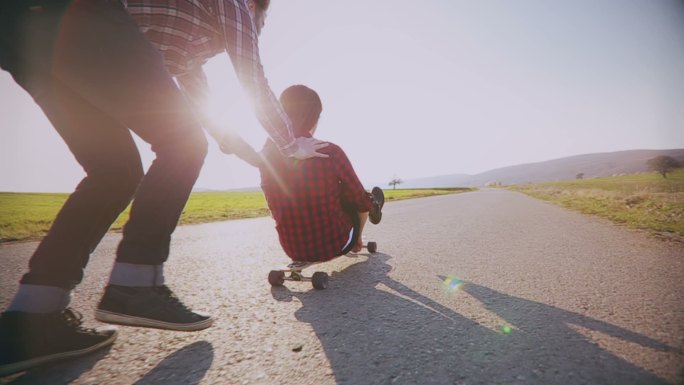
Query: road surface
548, 296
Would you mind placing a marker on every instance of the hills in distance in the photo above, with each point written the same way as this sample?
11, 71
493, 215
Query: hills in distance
591, 165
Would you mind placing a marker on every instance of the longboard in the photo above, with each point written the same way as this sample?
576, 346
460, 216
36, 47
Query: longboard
293, 271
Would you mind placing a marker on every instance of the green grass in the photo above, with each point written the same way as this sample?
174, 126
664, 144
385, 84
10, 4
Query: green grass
399, 194
645, 201
26, 215
29, 215
205, 207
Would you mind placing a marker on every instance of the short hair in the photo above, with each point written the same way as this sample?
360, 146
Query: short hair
303, 106
262, 4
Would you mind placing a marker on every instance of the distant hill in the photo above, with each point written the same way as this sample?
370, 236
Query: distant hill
591, 165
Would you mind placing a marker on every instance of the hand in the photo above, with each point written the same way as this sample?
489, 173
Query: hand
230, 142
358, 246
307, 148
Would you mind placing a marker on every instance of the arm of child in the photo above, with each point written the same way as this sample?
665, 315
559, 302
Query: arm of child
363, 218
352, 189
353, 192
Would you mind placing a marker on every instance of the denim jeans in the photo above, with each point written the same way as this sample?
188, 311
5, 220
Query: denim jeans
97, 78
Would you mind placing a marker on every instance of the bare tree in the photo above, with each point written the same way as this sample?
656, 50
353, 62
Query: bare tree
394, 182
663, 164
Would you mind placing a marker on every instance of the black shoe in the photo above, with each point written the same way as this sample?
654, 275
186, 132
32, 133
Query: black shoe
154, 307
31, 339
378, 197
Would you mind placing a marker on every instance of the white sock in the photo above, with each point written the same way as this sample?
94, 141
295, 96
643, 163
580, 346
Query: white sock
40, 299
133, 275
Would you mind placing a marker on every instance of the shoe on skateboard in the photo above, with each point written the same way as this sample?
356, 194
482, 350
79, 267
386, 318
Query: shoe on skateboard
378, 197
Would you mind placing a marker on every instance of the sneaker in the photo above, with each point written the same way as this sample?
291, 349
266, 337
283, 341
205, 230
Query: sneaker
154, 307
32, 339
378, 197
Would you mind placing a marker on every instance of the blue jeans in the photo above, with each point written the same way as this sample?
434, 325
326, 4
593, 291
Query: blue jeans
97, 78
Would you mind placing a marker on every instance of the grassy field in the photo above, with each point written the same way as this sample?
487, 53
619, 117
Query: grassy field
28, 216
644, 201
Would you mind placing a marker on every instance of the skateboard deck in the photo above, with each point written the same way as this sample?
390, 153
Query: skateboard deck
293, 271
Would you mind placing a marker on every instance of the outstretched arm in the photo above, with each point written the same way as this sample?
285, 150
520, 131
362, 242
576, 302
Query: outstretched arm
242, 149
196, 88
241, 42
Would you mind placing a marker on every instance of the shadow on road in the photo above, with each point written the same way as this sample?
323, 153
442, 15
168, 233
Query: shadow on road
63, 372
376, 330
186, 366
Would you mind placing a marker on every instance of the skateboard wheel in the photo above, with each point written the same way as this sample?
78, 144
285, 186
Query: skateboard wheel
319, 280
276, 278
372, 247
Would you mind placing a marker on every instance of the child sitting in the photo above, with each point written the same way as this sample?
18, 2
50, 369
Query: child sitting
319, 205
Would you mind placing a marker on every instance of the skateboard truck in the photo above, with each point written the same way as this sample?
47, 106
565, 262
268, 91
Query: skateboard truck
293, 272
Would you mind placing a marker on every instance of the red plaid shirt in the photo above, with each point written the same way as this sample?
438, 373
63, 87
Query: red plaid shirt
305, 199
190, 32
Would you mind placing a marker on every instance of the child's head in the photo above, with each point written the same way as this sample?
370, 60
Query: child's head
303, 106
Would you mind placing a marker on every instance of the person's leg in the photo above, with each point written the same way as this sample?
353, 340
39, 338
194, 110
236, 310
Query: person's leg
128, 82
85, 49
34, 47
141, 94
37, 328
101, 145
106, 151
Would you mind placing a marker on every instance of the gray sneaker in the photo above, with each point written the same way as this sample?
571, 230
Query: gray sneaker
154, 307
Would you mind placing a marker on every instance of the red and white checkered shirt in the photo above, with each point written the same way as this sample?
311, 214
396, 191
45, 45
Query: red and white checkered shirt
190, 32
305, 199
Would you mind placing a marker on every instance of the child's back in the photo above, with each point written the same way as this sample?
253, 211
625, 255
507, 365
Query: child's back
313, 202
319, 205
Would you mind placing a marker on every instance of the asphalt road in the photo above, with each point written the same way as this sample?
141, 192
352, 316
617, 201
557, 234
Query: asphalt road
548, 297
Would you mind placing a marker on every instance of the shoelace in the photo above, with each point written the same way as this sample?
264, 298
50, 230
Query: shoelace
74, 320
171, 298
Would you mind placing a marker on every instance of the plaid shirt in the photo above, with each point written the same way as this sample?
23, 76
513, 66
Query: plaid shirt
305, 199
190, 32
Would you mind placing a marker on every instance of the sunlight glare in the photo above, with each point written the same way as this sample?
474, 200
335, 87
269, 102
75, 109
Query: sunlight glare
228, 106
452, 283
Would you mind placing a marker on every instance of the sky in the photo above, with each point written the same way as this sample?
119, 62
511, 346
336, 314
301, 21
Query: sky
416, 89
